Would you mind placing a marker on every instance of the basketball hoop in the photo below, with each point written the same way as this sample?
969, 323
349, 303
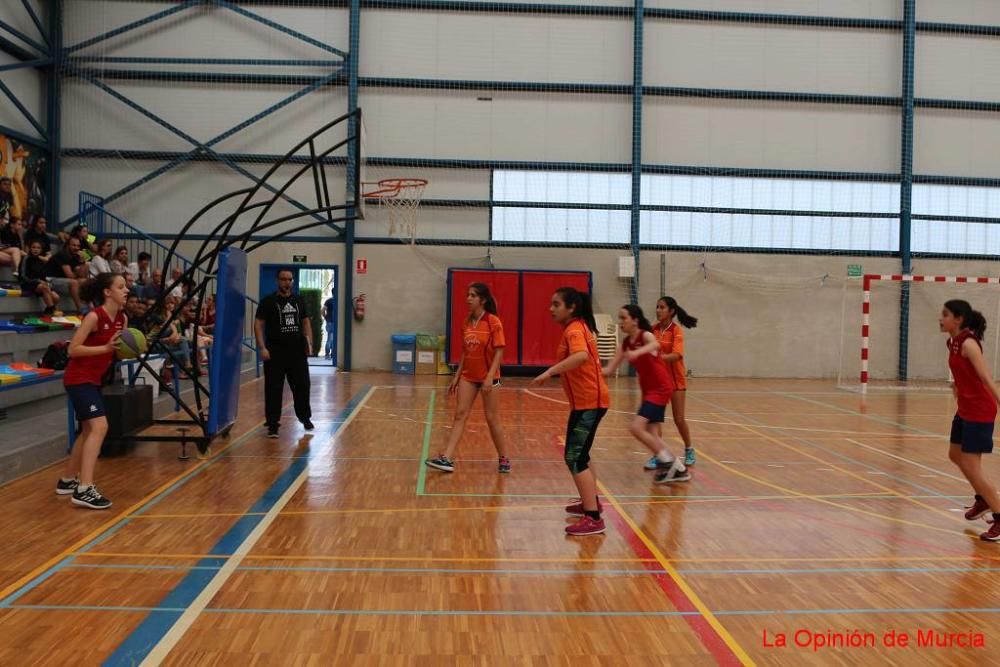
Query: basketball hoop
401, 196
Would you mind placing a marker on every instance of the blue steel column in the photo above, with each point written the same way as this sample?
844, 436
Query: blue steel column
353, 187
53, 115
906, 179
636, 141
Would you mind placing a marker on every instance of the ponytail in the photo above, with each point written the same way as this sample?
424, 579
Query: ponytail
580, 303
92, 291
482, 290
682, 315
635, 312
971, 319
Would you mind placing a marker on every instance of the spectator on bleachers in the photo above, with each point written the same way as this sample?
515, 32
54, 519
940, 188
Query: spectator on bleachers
176, 276
140, 269
119, 261
6, 198
131, 286
33, 279
189, 323
81, 233
38, 231
101, 261
154, 286
62, 268
208, 314
135, 308
12, 245
169, 337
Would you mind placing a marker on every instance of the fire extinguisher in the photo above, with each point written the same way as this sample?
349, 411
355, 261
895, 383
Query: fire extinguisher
359, 307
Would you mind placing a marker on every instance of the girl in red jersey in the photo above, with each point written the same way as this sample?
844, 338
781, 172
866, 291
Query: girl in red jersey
977, 397
642, 350
671, 338
91, 352
478, 373
579, 367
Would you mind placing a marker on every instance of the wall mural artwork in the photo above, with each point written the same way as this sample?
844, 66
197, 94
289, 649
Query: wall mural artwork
26, 167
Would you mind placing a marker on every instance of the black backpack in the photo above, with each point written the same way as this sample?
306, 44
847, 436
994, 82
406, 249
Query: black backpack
56, 356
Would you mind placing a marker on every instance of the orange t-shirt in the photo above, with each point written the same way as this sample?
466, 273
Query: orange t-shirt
480, 341
584, 385
671, 339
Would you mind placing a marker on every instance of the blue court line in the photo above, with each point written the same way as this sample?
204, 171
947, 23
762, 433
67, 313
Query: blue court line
843, 457
147, 634
517, 612
122, 522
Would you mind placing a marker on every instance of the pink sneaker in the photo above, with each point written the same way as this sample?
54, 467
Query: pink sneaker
991, 535
576, 509
978, 509
587, 526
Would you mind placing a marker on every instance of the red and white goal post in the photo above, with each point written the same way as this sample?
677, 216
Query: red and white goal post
900, 278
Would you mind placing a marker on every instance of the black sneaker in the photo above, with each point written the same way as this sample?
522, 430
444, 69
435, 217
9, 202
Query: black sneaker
307, 425
91, 498
503, 465
272, 432
66, 488
441, 463
674, 473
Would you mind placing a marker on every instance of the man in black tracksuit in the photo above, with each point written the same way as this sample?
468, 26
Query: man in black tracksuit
284, 338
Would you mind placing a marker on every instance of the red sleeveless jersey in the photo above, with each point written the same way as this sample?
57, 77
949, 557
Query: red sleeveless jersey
975, 402
655, 380
90, 370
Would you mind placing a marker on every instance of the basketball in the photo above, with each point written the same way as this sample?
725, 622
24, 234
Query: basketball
131, 344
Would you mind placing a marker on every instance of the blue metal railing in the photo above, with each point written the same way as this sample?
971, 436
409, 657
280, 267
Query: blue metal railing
106, 225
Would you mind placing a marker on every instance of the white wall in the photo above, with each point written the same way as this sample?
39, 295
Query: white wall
762, 314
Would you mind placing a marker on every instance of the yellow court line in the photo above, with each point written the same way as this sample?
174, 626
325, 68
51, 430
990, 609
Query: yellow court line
393, 559
705, 612
406, 559
504, 508
72, 549
854, 475
818, 499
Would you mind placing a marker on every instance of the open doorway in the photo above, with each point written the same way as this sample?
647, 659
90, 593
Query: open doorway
320, 277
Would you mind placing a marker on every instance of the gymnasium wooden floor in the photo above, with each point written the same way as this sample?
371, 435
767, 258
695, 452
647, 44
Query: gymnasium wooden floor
810, 517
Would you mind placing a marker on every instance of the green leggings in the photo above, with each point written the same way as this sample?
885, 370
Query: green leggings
580, 432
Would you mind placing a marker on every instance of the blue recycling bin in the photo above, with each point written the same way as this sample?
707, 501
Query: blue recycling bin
404, 351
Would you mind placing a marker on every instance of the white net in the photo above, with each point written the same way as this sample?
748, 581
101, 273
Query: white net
926, 362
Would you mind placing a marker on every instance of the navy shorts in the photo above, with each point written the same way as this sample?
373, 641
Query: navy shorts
653, 413
974, 437
87, 401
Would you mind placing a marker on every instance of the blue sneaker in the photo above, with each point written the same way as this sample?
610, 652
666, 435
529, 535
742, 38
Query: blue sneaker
689, 456
441, 463
651, 464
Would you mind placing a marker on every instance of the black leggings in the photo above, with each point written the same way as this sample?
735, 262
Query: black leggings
580, 432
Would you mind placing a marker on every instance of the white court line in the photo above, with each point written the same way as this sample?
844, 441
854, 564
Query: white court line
718, 423
187, 619
906, 460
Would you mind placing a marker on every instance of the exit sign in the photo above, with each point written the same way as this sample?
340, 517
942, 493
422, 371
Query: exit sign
298, 259
854, 271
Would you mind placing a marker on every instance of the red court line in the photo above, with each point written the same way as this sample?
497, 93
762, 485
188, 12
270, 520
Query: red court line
706, 633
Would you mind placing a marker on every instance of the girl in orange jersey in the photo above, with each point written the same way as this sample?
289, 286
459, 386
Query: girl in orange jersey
580, 369
671, 339
478, 373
